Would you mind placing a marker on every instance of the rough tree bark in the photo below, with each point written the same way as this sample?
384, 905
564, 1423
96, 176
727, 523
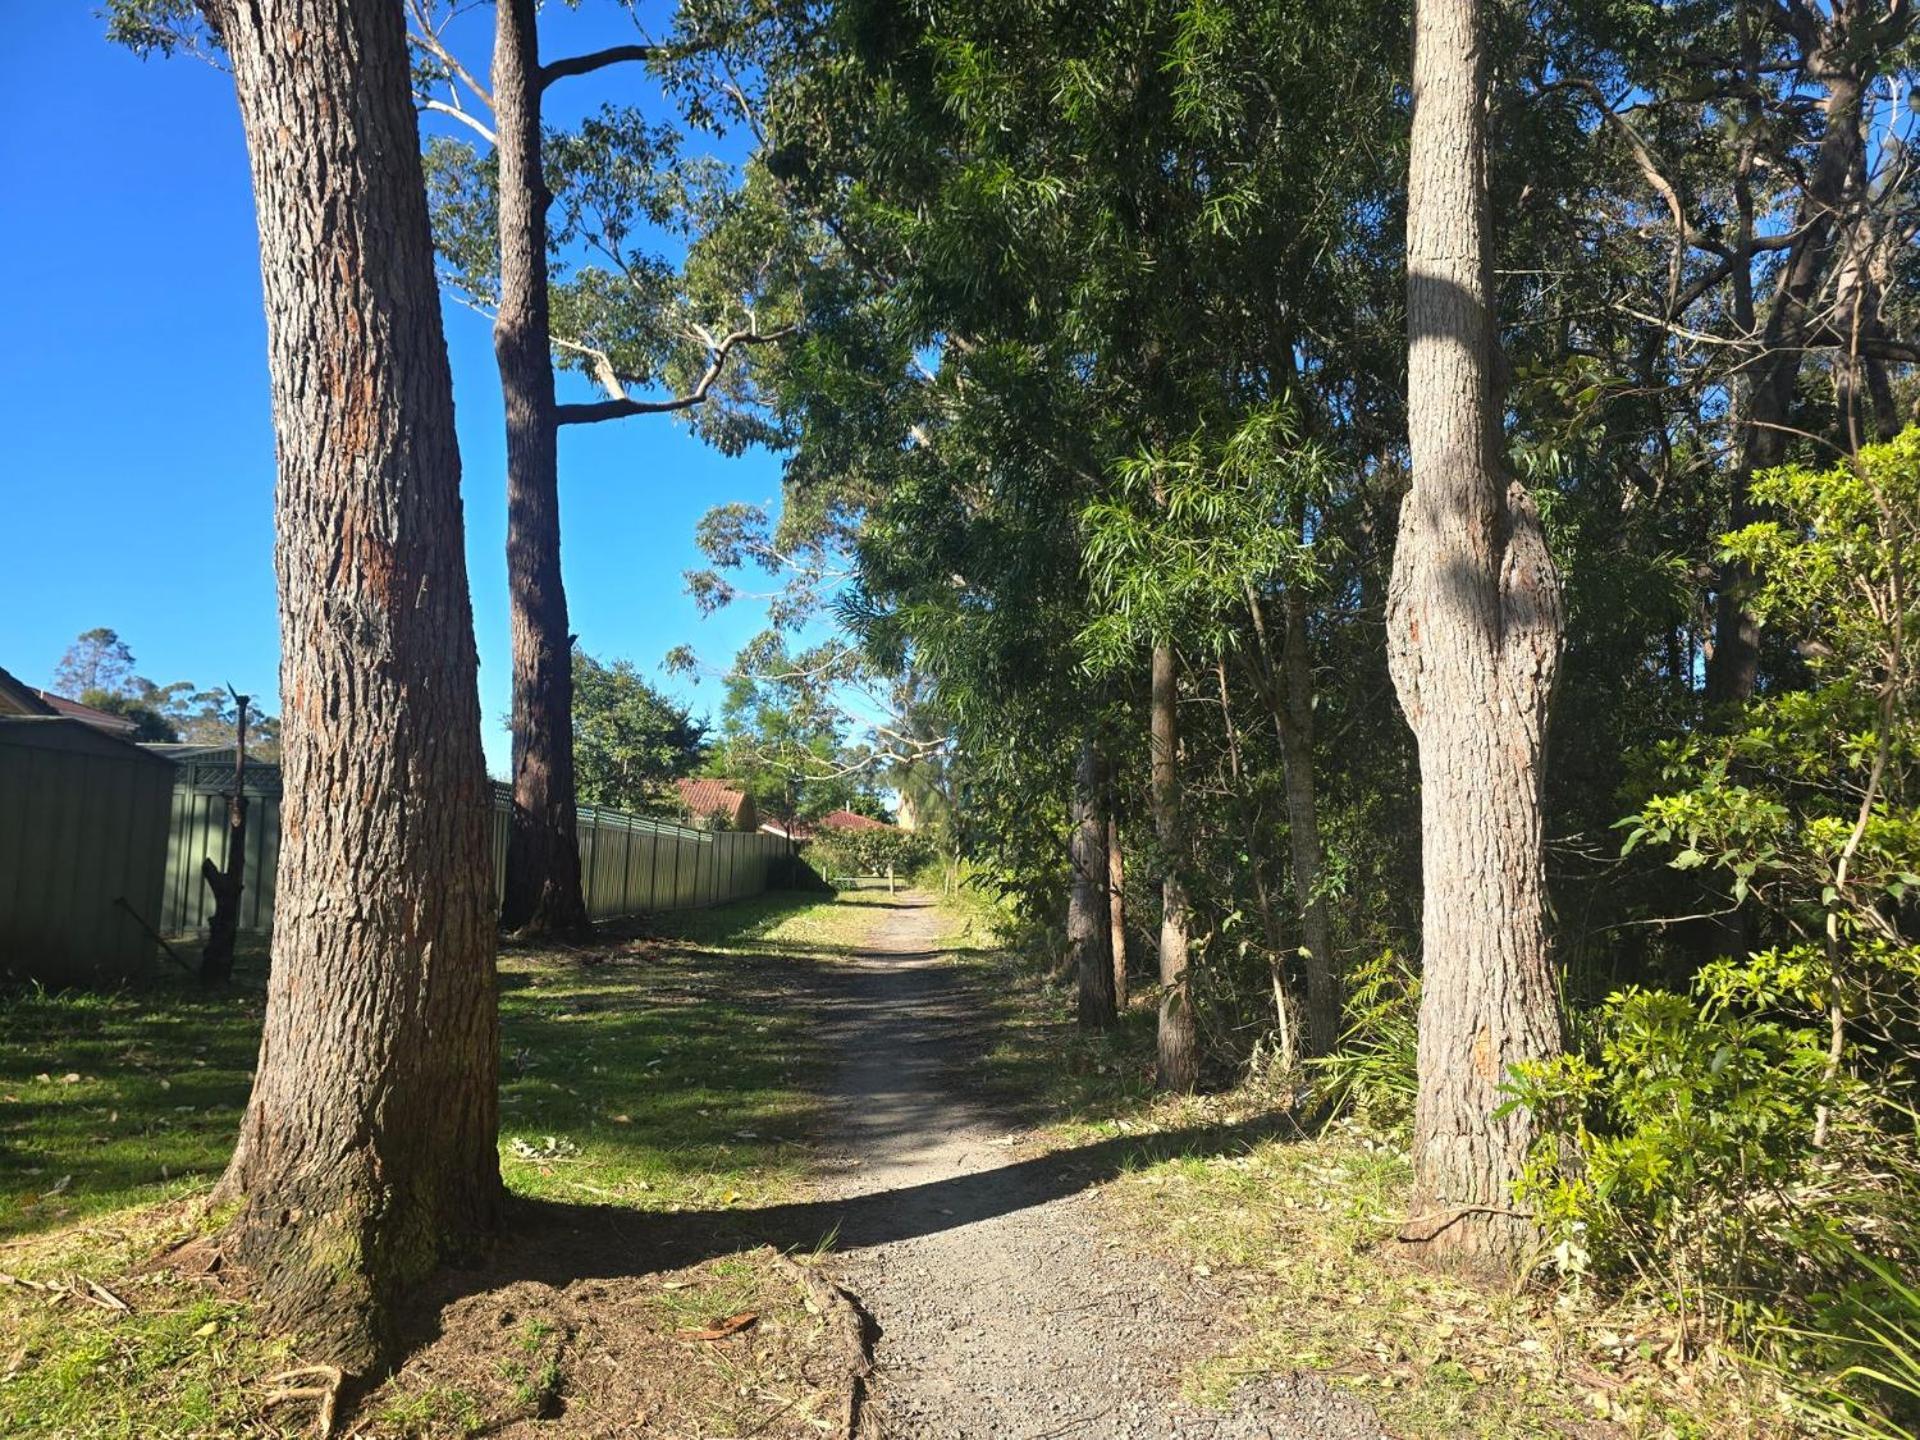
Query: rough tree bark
542, 892
1474, 631
1179, 1061
1116, 903
367, 1151
1087, 914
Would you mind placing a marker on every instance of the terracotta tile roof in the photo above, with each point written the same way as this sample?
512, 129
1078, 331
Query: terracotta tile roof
711, 797
848, 820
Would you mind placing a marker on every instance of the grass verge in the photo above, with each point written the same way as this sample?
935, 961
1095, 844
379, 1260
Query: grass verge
1291, 1239
650, 1072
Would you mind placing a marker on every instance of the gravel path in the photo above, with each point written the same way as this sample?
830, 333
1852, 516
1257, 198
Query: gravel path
1004, 1313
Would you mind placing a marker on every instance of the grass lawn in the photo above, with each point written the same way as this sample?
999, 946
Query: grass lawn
1292, 1237
651, 1071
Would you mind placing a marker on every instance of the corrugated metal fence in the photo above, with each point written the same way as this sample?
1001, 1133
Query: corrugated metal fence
629, 864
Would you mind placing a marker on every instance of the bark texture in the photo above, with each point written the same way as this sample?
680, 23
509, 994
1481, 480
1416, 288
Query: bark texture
367, 1151
1087, 914
1179, 1062
1116, 906
542, 892
1474, 632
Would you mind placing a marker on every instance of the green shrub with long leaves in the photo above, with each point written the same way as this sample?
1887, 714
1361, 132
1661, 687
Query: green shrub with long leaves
1375, 1070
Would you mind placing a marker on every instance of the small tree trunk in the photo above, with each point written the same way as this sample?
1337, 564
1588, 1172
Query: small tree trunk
543, 891
1116, 905
367, 1151
1087, 917
223, 930
1734, 667
1474, 626
1283, 1004
1179, 1061
1293, 727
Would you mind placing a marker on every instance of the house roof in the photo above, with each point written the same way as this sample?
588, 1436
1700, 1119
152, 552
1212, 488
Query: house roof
19, 698
100, 719
848, 820
704, 797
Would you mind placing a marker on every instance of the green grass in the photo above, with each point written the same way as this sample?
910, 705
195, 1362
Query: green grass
662, 1073
111, 1098
1300, 1232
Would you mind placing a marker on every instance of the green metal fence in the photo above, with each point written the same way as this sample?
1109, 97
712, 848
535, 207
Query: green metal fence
629, 864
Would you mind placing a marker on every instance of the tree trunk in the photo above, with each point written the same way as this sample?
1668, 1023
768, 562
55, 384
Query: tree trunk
1734, 667
367, 1151
1474, 630
1291, 704
1087, 915
1116, 905
1284, 1018
1178, 1067
542, 892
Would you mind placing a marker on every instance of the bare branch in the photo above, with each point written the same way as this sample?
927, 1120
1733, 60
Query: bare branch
619, 409
465, 117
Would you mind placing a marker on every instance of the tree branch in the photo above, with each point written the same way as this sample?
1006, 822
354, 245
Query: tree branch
623, 406
465, 117
600, 59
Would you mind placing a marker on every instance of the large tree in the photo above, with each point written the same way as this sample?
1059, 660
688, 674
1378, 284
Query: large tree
368, 1148
1474, 634
624, 323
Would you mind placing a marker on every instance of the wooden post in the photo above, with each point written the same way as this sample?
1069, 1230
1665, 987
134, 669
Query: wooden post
216, 958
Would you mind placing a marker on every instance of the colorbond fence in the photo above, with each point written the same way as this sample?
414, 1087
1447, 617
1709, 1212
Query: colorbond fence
629, 864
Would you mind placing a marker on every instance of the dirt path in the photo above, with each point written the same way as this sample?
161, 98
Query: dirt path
1003, 1310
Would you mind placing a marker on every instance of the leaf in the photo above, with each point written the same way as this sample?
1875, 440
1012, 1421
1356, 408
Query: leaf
721, 1329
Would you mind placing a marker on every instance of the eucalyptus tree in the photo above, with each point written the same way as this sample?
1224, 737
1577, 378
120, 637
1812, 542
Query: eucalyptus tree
367, 1151
1730, 287
1474, 631
630, 320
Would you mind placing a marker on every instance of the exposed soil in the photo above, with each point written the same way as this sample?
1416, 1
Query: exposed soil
1003, 1308
1000, 1308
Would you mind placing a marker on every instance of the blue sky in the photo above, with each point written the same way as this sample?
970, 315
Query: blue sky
136, 445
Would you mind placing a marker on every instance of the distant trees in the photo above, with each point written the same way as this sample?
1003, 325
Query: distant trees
630, 740
99, 669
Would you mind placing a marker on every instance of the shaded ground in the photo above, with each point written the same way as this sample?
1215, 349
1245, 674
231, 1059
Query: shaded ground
787, 1072
1003, 1310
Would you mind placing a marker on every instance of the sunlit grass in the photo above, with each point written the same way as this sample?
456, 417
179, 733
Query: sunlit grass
669, 1072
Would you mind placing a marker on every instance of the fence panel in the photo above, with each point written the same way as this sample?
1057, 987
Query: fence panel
629, 864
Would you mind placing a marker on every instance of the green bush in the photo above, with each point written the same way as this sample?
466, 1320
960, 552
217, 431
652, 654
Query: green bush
869, 852
1375, 1071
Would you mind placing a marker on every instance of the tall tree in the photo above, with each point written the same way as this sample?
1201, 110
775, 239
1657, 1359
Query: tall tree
1178, 1066
1475, 623
1088, 919
507, 267
368, 1147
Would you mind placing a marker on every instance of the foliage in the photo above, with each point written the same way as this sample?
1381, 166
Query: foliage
1746, 1149
1373, 1069
98, 669
888, 851
629, 739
